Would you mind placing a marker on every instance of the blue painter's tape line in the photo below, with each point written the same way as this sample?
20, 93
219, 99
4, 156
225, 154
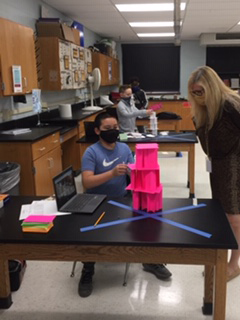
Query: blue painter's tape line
180, 135
176, 138
111, 223
184, 227
121, 205
180, 209
145, 215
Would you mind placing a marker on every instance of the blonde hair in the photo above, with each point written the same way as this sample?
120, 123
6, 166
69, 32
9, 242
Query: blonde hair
216, 94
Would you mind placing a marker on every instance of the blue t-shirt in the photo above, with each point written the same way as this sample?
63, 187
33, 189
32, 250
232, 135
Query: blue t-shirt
99, 160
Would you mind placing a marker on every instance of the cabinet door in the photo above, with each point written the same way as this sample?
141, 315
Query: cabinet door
17, 48
46, 167
104, 63
115, 72
28, 59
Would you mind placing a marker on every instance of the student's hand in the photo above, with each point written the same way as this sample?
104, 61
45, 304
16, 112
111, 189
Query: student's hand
149, 112
120, 170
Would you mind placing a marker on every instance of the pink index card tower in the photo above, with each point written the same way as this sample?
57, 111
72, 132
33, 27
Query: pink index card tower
145, 178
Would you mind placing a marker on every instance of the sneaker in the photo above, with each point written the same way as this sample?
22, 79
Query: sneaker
159, 270
85, 286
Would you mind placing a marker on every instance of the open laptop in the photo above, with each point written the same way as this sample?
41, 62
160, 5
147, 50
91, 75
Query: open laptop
67, 198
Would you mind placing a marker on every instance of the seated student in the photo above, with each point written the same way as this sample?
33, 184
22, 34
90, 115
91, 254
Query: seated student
127, 112
104, 169
140, 98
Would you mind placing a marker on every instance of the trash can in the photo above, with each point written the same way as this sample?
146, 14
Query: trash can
9, 178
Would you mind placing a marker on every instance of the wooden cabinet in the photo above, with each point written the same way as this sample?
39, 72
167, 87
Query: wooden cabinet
182, 108
115, 72
62, 64
40, 162
16, 48
45, 168
109, 67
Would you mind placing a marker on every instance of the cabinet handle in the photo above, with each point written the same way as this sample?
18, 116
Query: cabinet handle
52, 162
42, 149
55, 141
25, 82
49, 163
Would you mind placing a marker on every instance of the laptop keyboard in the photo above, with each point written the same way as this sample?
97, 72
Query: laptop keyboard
79, 202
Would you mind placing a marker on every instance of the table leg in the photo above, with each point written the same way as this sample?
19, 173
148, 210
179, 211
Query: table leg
220, 287
5, 291
191, 173
207, 307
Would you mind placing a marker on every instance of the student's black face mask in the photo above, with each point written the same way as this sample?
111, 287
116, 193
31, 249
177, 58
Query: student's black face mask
128, 99
109, 136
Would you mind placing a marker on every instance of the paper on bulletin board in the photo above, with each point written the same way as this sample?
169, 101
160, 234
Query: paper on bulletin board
17, 78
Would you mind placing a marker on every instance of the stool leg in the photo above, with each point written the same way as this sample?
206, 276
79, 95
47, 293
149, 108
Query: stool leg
125, 274
73, 269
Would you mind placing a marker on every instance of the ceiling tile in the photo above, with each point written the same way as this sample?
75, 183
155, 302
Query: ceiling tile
200, 16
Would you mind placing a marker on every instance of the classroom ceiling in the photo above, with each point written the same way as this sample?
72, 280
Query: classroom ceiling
199, 16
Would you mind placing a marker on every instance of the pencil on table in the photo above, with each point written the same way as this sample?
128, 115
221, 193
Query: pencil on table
99, 219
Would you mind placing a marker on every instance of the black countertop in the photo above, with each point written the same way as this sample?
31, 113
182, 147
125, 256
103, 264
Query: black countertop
171, 137
35, 134
77, 115
51, 122
147, 231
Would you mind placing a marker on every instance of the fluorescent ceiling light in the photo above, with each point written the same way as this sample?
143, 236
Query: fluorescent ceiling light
148, 7
239, 22
151, 24
163, 34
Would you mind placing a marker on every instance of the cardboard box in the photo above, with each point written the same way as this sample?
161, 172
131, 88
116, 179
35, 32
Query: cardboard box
68, 33
76, 36
55, 29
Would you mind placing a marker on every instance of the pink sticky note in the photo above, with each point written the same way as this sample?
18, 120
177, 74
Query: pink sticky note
43, 219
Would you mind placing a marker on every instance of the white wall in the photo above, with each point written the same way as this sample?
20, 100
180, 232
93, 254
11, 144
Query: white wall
192, 56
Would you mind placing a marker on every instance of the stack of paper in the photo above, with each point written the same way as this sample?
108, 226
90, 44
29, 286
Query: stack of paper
39, 223
42, 207
17, 131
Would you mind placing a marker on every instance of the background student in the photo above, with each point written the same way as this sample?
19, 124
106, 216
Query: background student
216, 111
140, 98
127, 112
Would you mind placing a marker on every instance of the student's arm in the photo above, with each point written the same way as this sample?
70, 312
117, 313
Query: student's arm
121, 109
91, 180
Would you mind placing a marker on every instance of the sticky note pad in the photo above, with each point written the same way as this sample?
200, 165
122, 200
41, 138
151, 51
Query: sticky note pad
40, 218
123, 136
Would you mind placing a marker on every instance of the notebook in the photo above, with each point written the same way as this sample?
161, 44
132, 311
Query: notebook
67, 198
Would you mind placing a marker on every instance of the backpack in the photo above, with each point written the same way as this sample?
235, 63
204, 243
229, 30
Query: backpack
140, 99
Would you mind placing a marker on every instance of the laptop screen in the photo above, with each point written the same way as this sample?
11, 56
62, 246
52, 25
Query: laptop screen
65, 188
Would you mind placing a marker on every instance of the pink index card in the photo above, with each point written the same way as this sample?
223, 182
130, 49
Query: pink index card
156, 106
43, 219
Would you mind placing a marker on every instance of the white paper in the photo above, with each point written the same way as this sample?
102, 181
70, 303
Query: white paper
42, 207
164, 133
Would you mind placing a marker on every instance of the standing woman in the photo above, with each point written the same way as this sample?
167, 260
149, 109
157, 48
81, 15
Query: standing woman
216, 114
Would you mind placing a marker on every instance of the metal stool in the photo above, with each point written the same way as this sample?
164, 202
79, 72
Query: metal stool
124, 278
